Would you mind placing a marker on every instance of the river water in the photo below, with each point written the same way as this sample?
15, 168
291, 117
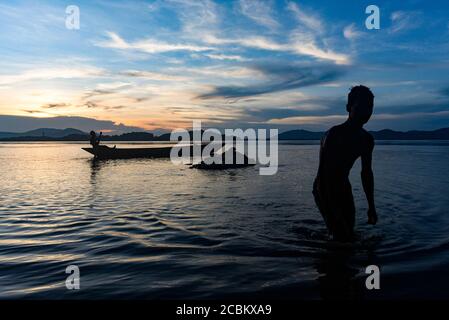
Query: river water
151, 229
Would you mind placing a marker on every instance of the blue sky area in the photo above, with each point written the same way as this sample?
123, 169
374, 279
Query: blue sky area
161, 64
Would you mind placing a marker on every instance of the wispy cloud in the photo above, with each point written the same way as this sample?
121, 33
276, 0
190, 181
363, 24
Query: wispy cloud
265, 114
257, 42
213, 72
56, 72
260, 12
351, 32
149, 75
301, 120
300, 44
281, 77
307, 19
226, 57
113, 85
98, 92
305, 45
96, 105
404, 20
87, 104
147, 45
201, 33
305, 39
55, 105
196, 15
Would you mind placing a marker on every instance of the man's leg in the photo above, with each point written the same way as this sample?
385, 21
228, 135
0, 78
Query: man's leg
344, 214
321, 203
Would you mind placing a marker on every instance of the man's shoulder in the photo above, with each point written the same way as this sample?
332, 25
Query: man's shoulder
367, 134
334, 130
368, 137
331, 135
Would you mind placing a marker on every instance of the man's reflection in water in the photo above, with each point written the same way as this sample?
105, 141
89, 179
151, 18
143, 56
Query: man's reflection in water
95, 166
337, 278
342, 272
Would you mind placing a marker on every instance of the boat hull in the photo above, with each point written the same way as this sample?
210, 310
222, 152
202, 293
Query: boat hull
104, 152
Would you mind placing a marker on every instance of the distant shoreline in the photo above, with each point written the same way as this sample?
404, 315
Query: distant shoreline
434, 142
74, 135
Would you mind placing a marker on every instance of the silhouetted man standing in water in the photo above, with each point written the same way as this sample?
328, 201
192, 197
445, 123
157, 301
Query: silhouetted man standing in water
341, 146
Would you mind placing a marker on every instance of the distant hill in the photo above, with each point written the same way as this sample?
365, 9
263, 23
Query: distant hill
131, 136
166, 136
300, 135
43, 132
386, 134
48, 134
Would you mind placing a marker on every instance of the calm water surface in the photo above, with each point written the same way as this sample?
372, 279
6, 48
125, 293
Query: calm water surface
150, 229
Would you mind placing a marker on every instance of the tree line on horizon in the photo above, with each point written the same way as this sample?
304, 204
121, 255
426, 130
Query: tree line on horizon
70, 134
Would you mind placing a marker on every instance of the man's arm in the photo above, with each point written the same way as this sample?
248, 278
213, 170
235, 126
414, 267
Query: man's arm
368, 184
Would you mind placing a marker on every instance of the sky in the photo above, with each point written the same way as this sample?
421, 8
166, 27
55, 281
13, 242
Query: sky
158, 65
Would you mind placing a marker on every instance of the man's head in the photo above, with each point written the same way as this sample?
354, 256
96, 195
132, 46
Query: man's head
92, 133
360, 104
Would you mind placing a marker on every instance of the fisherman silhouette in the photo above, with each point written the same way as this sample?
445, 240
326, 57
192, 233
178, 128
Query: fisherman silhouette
94, 140
341, 146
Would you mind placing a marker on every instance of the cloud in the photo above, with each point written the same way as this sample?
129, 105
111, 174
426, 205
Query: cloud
113, 85
199, 20
301, 44
303, 40
147, 45
56, 72
25, 123
88, 104
270, 113
104, 89
55, 105
32, 111
226, 57
96, 105
306, 46
281, 77
431, 106
394, 113
322, 120
152, 75
379, 121
260, 12
214, 72
257, 42
404, 20
97, 92
200, 25
154, 6
195, 14
350, 32
307, 19
92, 105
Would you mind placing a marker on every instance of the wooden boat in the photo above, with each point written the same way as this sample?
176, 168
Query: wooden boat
157, 151
105, 152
